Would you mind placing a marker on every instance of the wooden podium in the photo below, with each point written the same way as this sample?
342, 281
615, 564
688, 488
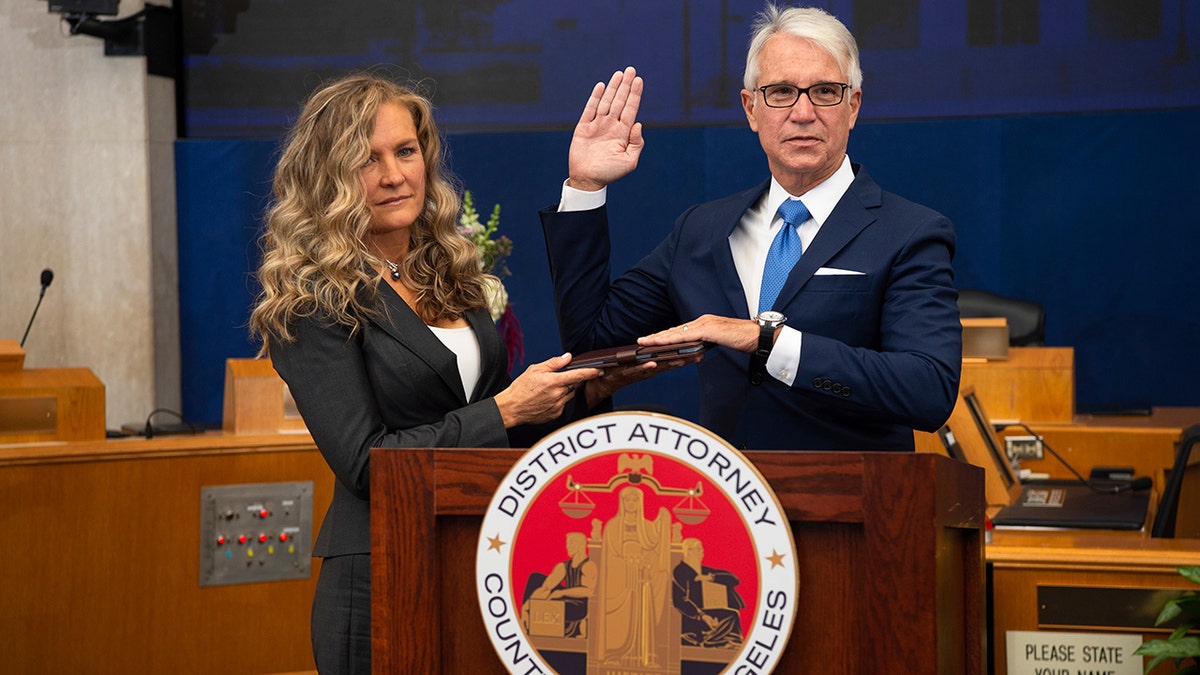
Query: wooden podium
890, 550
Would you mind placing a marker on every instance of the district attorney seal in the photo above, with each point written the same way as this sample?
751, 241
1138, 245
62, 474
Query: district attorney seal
636, 543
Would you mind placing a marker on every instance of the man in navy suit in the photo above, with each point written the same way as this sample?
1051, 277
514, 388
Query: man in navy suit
862, 341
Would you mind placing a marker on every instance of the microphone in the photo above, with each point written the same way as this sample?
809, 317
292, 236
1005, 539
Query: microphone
47, 277
1137, 484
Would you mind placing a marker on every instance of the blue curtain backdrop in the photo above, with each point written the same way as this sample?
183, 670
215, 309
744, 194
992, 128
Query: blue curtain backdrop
1060, 138
510, 65
1088, 214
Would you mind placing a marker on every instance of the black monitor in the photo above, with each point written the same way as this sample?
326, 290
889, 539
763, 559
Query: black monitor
997, 453
951, 444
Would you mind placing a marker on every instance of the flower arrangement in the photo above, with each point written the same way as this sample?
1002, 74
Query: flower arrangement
493, 250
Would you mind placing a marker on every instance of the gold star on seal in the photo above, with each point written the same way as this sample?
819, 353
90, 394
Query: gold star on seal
494, 543
776, 559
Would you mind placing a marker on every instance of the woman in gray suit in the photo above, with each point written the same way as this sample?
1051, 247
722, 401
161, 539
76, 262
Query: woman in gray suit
373, 310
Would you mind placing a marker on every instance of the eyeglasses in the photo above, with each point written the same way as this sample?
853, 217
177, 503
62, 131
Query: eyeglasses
820, 94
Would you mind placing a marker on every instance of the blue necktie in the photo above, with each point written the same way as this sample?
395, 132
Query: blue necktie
783, 254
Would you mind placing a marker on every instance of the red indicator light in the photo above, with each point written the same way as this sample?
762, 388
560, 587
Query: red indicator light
242, 539
221, 540
264, 513
283, 536
262, 538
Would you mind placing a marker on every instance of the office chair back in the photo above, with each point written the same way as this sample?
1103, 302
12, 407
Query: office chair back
1164, 520
1026, 319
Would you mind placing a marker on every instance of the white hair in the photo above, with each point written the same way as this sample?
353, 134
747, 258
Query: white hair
811, 23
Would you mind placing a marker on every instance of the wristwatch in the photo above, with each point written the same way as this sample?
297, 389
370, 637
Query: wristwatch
767, 323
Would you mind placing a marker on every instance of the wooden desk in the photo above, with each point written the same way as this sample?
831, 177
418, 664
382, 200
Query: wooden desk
1159, 418
1033, 383
101, 570
51, 404
1104, 564
1145, 442
1148, 451
1036, 386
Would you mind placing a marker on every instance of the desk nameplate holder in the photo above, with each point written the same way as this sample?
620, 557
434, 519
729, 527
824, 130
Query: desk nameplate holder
1100, 607
985, 339
29, 415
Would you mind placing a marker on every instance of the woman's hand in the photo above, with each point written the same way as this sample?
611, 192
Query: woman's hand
613, 379
540, 393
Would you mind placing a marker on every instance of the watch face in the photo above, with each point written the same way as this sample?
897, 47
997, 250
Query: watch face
770, 317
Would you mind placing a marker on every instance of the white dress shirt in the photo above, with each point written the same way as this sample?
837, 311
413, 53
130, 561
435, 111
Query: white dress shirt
750, 241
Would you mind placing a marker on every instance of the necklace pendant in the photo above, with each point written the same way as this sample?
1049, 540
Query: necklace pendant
396, 275
395, 269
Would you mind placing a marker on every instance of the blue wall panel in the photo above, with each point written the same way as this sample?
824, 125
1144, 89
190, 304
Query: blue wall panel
1088, 214
221, 187
952, 167
1100, 227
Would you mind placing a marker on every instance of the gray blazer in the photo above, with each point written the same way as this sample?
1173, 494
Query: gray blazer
393, 384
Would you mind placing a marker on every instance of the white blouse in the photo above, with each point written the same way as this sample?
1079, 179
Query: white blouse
465, 346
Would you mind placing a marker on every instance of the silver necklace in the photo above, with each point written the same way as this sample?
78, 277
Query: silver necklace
394, 268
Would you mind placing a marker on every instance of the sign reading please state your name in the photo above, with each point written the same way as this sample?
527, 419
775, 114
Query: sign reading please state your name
1042, 653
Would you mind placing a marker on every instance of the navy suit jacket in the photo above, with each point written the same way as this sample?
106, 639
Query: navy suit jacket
882, 350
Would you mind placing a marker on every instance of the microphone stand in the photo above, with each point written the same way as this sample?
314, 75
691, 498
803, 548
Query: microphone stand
41, 295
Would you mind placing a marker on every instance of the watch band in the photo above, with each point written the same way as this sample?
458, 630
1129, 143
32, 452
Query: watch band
758, 359
767, 323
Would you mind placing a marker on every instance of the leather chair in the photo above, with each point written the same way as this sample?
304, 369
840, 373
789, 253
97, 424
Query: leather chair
1026, 319
1168, 507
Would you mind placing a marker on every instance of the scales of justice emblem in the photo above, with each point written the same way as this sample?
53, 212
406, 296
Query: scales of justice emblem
636, 543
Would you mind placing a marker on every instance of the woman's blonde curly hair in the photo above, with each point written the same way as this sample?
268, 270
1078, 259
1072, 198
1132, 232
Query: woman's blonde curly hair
315, 261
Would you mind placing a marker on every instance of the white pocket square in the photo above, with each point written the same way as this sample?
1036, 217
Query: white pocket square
834, 272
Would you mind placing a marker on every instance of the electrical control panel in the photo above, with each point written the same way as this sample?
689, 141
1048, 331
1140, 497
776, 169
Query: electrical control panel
1023, 447
255, 532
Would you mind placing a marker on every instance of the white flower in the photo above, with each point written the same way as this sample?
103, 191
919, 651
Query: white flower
497, 297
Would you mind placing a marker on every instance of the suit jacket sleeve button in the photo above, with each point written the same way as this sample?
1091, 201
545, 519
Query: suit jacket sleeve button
846, 392
837, 387
817, 382
827, 385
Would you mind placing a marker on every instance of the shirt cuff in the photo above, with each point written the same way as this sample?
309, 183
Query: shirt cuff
784, 360
581, 200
